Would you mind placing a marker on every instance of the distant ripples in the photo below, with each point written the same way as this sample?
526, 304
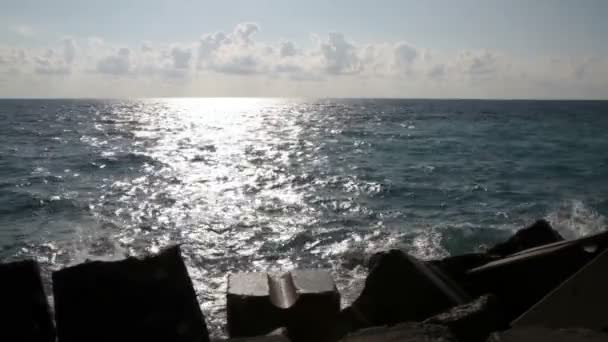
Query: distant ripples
270, 184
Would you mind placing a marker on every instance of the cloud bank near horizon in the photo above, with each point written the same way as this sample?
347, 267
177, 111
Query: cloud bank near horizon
235, 63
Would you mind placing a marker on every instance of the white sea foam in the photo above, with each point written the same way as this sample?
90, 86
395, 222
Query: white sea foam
574, 219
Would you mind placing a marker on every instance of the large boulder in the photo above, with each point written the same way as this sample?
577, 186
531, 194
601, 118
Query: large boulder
24, 310
457, 266
542, 334
306, 302
522, 279
278, 335
579, 302
404, 332
150, 299
538, 234
400, 288
474, 321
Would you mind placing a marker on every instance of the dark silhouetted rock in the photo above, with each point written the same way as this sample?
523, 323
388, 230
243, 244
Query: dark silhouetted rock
24, 310
474, 321
522, 279
267, 338
149, 299
404, 332
456, 267
306, 302
579, 302
540, 334
278, 335
538, 234
400, 288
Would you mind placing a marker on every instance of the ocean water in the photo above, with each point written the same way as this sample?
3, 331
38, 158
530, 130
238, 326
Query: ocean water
274, 184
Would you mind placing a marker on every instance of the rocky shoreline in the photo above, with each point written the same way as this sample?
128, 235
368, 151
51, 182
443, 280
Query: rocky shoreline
535, 286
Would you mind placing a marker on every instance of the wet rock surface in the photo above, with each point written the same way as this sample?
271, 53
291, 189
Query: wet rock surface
151, 299
401, 288
551, 283
473, 321
540, 334
580, 302
522, 279
24, 310
404, 332
538, 234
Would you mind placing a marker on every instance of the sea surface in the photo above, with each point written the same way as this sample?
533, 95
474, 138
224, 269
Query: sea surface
274, 184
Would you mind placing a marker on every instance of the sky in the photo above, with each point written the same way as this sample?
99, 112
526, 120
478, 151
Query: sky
282, 48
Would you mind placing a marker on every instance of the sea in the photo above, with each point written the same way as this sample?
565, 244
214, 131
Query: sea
260, 184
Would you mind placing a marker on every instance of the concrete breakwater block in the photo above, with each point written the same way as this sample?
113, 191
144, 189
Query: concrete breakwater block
522, 279
306, 302
540, 334
278, 335
150, 299
401, 288
404, 332
580, 302
538, 234
24, 310
474, 321
269, 338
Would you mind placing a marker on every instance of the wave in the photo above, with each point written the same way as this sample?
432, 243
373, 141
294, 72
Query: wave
574, 218
124, 160
20, 202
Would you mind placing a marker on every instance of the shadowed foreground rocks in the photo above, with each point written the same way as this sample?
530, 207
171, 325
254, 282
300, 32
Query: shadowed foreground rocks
473, 321
534, 279
405, 332
540, 334
151, 299
24, 311
538, 234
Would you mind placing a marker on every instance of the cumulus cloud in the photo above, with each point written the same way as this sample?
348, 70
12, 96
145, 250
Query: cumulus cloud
339, 55
287, 49
478, 63
243, 33
117, 64
181, 57
330, 59
405, 54
437, 72
69, 50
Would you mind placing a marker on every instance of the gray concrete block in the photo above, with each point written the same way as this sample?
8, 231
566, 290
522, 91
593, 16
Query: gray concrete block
580, 302
149, 299
522, 279
278, 335
401, 288
474, 321
306, 302
405, 332
539, 334
24, 310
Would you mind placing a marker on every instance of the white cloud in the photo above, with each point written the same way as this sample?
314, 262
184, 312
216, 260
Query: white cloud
332, 65
405, 54
339, 56
69, 50
117, 64
181, 57
287, 49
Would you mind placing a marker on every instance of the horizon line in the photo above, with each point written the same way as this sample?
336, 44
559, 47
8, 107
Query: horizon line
305, 98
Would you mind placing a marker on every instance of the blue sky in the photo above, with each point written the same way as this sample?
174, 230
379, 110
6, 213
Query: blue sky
391, 48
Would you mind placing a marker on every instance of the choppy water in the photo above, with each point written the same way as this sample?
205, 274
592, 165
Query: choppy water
257, 184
